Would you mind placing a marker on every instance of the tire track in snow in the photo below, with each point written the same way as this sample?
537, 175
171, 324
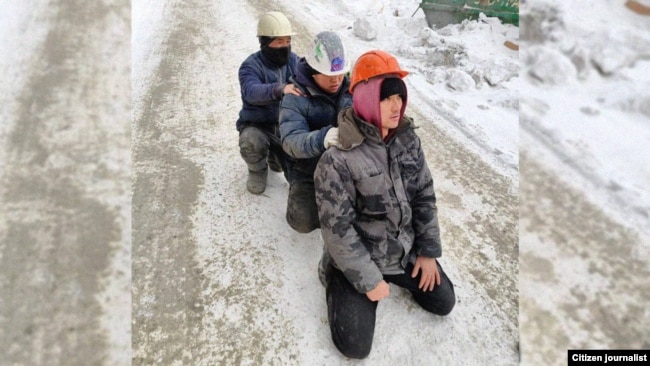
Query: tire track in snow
167, 283
584, 282
63, 198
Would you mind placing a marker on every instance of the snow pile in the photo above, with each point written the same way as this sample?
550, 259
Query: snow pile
586, 95
364, 30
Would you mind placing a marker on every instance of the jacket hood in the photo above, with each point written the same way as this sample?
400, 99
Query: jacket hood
303, 77
366, 98
353, 131
350, 136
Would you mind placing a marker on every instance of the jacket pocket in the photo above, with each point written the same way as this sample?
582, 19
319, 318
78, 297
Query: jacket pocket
373, 200
408, 166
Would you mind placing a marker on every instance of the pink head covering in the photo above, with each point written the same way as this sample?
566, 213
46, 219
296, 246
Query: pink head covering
366, 98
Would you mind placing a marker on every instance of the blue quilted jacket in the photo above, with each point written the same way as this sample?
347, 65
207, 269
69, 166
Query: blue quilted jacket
304, 121
261, 89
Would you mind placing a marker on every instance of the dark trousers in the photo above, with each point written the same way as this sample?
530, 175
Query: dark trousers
302, 213
257, 145
351, 314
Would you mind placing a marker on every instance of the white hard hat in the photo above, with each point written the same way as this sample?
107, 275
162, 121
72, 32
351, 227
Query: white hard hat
274, 24
327, 54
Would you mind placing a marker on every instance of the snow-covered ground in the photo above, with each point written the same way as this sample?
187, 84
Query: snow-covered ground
65, 214
218, 276
584, 221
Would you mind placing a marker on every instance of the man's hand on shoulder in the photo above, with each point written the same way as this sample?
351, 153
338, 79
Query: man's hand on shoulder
331, 137
291, 89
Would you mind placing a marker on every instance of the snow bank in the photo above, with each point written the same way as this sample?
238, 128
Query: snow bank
587, 90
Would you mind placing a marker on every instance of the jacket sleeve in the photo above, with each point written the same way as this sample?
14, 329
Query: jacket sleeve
253, 88
425, 212
335, 197
297, 139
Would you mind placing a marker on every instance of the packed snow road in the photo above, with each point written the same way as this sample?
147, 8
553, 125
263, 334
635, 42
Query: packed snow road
64, 183
218, 275
583, 277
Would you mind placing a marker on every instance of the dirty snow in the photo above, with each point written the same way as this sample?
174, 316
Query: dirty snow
587, 93
583, 75
64, 183
585, 206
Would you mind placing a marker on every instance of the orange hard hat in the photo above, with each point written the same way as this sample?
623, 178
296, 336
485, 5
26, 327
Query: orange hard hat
375, 63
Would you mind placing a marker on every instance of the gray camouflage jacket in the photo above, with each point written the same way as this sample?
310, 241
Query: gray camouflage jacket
376, 202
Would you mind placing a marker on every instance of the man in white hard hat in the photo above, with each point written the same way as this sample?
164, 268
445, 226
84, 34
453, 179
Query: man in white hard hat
308, 123
264, 79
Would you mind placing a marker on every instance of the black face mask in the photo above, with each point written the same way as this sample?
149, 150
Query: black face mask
278, 56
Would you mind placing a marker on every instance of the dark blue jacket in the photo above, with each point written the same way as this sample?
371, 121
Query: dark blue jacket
261, 85
304, 121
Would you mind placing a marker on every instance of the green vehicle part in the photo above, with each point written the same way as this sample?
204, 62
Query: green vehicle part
440, 13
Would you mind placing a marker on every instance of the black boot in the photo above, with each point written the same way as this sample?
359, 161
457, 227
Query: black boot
256, 182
